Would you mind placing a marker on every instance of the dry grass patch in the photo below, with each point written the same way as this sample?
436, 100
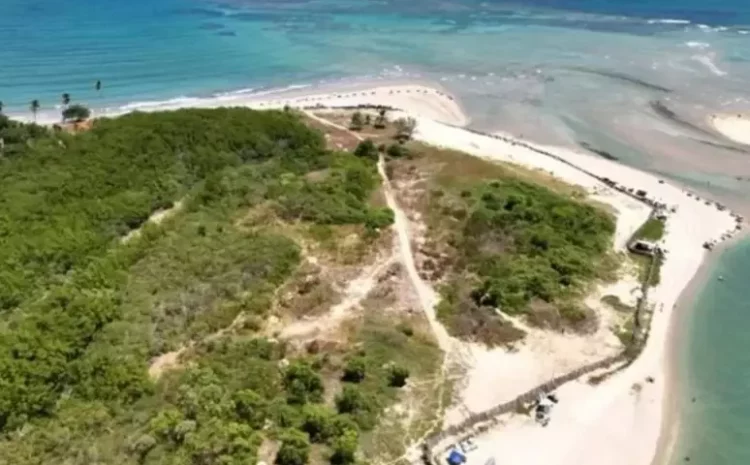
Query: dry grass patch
336, 139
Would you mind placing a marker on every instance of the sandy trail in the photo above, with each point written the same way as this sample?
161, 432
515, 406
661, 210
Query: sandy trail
426, 295
157, 217
355, 292
428, 298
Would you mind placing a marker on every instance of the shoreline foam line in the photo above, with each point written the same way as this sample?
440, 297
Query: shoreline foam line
397, 93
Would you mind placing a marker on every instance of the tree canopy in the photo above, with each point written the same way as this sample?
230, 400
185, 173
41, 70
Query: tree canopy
84, 311
509, 244
76, 113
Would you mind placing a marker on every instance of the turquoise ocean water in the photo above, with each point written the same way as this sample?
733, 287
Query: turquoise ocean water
713, 363
635, 78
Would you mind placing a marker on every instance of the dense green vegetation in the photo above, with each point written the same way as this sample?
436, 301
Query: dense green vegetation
82, 312
652, 230
524, 243
510, 245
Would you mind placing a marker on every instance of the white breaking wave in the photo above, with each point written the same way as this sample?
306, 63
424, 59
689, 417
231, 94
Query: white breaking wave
221, 98
707, 61
233, 93
698, 45
157, 104
668, 21
707, 28
277, 90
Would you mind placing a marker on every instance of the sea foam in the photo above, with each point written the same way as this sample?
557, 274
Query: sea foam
707, 61
698, 45
668, 21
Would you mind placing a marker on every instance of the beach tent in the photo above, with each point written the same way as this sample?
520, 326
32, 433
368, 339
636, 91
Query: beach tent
456, 458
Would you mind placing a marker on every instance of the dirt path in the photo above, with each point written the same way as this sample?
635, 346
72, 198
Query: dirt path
428, 298
453, 351
355, 292
157, 217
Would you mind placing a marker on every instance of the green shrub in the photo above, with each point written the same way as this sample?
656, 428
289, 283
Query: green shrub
350, 400
302, 383
250, 408
397, 151
294, 450
344, 448
366, 149
318, 422
397, 376
76, 113
355, 370
521, 242
363, 408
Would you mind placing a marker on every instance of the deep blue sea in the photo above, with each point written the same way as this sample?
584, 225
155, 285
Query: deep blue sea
637, 78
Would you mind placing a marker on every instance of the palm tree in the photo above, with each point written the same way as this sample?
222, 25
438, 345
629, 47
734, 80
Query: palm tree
66, 103
34, 108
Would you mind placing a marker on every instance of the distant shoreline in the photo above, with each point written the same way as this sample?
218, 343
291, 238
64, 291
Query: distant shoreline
265, 98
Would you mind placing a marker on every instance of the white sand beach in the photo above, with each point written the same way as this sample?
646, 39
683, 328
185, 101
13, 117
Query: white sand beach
420, 100
735, 127
618, 421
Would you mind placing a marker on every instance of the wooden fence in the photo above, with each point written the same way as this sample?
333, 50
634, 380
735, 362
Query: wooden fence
481, 422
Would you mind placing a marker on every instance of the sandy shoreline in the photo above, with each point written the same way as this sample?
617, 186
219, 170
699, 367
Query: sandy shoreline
619, 421
732, 126
678, 330
421, 99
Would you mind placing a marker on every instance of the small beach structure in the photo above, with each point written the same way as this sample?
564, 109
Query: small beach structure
543, 409
467, 445
456, 458
643, 247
